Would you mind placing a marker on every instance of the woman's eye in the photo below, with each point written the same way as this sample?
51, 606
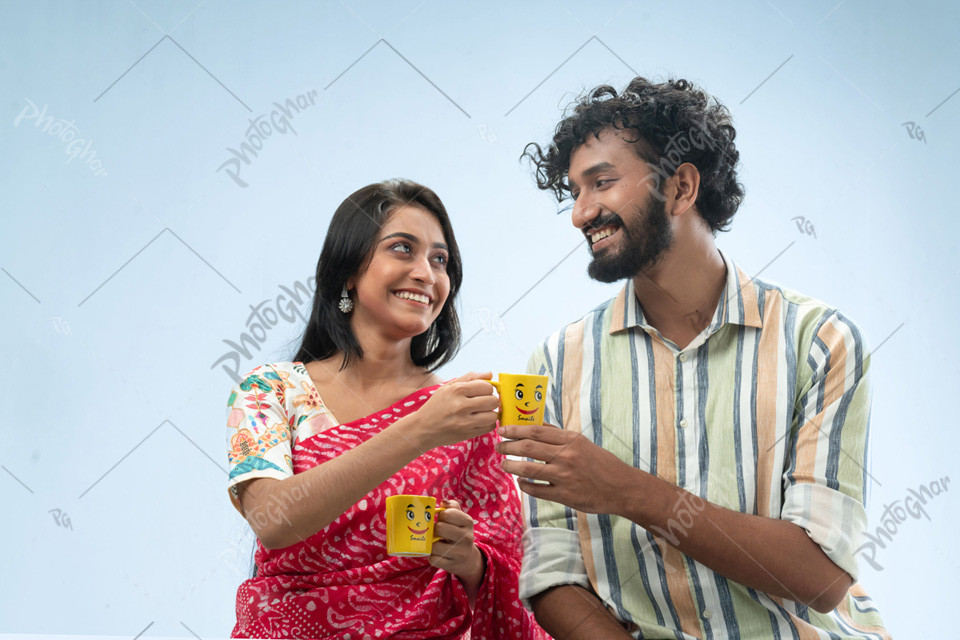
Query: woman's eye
538, 396
401, 247
519, 394
410, 515
441, 259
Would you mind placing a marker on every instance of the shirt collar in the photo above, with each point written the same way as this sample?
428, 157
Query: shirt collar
738, 304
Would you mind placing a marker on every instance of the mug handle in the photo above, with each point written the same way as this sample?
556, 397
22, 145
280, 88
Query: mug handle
496, 385
435, 511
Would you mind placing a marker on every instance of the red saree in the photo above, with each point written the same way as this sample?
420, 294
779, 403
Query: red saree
340, 583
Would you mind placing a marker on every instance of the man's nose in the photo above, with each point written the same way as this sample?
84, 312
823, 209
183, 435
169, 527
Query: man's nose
584, 212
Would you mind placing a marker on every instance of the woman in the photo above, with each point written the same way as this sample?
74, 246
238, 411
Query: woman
318, 444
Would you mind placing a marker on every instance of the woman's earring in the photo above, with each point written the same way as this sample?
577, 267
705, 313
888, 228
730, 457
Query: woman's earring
345, 304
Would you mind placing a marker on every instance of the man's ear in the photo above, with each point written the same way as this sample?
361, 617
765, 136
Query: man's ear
685, 188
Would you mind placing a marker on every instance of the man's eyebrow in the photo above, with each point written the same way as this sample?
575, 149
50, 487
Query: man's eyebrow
413, 238
592, 171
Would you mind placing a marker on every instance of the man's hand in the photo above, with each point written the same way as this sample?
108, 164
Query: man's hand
581, 475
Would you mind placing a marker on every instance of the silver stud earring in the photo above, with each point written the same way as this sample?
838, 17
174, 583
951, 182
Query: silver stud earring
346, 304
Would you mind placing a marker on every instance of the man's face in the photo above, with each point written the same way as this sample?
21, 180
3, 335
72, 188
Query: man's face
616, 208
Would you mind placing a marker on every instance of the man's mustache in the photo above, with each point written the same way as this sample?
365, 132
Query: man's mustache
603, 221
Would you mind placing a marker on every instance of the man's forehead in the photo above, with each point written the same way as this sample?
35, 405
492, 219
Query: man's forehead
608, 151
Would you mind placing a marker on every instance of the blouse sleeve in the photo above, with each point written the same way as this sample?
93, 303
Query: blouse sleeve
498, 613
258, 432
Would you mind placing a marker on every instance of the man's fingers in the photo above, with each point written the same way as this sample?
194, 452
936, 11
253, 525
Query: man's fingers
546, 433
529, 449
542, 491
524, 469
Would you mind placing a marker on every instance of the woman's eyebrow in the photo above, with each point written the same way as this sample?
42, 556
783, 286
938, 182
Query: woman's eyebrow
413, 238
401, 234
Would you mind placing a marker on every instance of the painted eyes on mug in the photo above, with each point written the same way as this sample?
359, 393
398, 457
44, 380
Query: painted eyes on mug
411, 516
518, 394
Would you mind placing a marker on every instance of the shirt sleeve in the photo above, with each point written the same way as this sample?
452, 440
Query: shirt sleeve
551, 543
258, 433
825, 477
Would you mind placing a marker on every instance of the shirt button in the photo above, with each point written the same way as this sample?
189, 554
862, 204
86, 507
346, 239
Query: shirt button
683, 357
683, 424
707, 614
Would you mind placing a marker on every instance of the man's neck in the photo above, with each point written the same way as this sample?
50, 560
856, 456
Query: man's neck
679, 295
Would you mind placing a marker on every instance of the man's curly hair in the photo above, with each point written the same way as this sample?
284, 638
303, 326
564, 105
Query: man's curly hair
669, 124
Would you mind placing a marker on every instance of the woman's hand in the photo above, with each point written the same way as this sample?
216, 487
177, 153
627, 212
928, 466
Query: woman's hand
462, 409
456, 552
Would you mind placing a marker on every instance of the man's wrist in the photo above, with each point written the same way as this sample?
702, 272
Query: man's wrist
628, 493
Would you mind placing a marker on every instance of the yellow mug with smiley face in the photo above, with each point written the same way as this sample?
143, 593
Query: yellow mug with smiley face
521, 397
410, 522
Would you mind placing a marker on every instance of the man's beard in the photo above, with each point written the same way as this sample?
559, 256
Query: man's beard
639, 249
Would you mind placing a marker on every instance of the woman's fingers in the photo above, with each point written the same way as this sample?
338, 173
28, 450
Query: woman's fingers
474, 388
473, 375
452, 532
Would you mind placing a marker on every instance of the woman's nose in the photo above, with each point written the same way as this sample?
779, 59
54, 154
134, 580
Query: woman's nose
422, 270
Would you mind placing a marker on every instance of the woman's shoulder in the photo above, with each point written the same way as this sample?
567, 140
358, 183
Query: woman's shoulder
276, 379
273, 371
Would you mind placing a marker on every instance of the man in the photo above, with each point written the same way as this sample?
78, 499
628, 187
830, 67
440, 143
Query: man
707, 479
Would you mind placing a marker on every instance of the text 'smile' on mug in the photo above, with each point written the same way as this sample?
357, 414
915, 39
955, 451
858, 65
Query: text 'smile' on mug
410, 521
522, 397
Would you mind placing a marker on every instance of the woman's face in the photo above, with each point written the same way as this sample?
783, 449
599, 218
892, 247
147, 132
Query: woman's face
405, 285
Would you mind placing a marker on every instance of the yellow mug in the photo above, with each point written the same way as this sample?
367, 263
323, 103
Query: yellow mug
410, 521
521, 397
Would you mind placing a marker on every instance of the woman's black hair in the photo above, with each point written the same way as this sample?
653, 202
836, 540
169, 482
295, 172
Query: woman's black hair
346, 252
669, 123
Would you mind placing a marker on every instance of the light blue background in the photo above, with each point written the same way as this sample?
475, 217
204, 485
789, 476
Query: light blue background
119, 289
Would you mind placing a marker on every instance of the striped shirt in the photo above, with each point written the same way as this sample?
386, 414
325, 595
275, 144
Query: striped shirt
765, 412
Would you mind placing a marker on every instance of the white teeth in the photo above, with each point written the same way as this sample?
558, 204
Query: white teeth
600, 235
416, 297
